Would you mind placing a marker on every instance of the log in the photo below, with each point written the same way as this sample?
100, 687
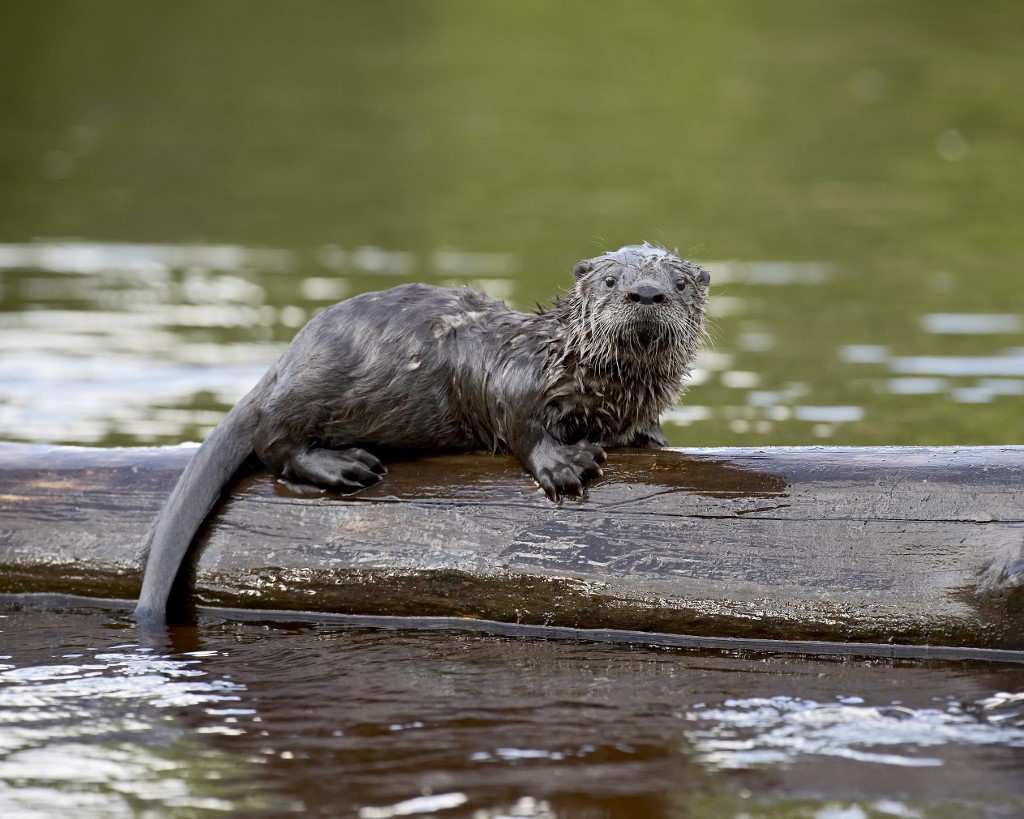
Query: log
895, 546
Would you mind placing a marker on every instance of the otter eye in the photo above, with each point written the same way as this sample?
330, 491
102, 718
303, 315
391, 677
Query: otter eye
610, 282
680, 285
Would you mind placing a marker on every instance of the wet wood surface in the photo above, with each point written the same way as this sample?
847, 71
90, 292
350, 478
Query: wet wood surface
913, 546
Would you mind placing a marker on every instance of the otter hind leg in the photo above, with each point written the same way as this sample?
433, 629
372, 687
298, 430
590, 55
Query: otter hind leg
345, 470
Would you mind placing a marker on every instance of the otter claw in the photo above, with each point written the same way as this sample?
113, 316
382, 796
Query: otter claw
561, 470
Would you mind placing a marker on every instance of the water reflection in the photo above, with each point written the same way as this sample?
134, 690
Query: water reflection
972, 323
151, 343
989, 376
930, 376
94, 729
751, 732
832, 415
1009, 363
293, 717
417, 806
863, 353
913, 385
145, 260
771, 273
125, 343
153, 261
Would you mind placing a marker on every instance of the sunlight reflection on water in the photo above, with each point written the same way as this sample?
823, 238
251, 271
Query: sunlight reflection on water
750, 732
972, 323
149, 343
138, 259
99, 734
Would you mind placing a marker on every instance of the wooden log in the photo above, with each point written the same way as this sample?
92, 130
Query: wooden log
913, 546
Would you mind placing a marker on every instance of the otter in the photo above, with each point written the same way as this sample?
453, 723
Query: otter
427, 369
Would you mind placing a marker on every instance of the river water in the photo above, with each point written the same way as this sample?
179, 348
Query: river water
316, 718
182, 186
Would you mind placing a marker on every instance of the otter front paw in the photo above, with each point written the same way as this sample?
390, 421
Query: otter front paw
562, 469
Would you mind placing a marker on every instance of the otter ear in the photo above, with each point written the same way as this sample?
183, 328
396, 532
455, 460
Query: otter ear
582, 268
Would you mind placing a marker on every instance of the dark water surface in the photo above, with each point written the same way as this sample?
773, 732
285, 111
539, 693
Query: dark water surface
276, 718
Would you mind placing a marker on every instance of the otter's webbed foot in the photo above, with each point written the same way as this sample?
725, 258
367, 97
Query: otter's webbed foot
561, 469
344, 470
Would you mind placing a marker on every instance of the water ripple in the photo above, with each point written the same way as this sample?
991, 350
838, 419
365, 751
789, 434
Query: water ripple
754, 732
100, 736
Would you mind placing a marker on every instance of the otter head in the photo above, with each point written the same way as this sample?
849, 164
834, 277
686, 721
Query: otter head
640, 301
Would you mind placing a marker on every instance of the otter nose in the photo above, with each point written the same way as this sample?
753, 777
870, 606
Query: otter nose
646, 294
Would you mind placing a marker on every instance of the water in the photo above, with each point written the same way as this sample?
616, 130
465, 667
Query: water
306, 718
180, 191
178, 194
120, 343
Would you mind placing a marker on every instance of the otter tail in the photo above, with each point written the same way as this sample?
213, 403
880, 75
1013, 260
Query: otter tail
198, 489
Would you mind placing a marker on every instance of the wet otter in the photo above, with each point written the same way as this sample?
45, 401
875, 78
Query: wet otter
431, 369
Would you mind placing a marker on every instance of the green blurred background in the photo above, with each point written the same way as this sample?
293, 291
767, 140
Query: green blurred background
183, 184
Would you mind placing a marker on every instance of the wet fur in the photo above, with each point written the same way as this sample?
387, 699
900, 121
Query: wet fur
421, 368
